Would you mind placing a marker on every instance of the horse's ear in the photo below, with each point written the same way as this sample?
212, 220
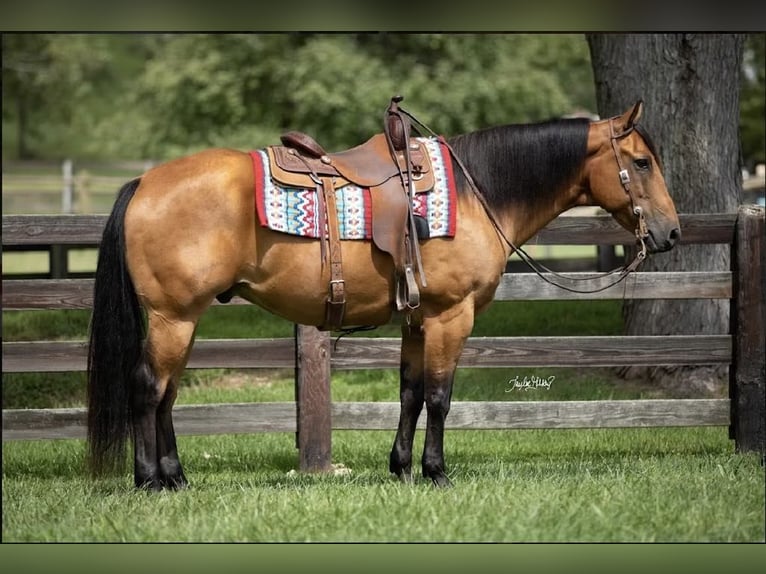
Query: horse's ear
635, 114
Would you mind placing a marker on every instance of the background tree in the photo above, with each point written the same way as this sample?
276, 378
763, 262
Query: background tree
57, 87
690, 84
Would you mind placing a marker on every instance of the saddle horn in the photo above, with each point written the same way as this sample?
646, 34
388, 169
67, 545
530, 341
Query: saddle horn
397, 125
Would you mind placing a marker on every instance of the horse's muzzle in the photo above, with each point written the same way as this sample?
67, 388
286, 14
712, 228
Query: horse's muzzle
659, 242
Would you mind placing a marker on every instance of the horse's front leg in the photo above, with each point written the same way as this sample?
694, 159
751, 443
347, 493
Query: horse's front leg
411, 399
445, 336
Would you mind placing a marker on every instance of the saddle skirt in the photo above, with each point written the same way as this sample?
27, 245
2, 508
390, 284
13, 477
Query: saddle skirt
288, 208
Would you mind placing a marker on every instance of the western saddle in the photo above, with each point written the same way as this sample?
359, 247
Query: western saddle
394, 167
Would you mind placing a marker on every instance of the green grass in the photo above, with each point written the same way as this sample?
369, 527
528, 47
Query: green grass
78, 261
636, 485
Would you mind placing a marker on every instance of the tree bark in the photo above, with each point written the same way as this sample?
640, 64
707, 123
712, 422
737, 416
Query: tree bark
690, 85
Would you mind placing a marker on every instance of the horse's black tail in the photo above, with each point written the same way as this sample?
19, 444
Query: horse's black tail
115, 346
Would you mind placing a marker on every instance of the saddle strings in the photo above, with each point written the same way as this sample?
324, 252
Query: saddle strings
536, 266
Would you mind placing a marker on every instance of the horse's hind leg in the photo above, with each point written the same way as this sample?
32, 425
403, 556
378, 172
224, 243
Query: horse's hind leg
156, 462
411, 397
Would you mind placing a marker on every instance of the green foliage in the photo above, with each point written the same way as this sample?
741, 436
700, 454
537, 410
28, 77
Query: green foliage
161, 95
56, 87
752, 102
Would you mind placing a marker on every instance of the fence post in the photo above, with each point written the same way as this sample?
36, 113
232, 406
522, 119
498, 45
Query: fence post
312, 396
747, 376
58, 254
67, 190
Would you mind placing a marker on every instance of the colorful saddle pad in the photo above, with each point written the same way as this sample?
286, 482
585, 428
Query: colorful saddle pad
294, 211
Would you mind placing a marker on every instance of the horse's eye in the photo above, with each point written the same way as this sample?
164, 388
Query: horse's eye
642, 163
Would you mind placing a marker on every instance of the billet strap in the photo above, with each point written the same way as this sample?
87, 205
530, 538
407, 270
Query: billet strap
336, 296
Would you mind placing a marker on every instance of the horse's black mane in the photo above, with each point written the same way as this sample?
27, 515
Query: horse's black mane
522, 163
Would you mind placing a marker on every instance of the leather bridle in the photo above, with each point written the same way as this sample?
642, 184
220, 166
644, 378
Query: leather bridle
641, 229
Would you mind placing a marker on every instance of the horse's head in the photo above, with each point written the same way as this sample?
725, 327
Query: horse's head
626, 180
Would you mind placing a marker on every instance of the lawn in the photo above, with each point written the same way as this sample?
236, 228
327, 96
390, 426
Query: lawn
632, 485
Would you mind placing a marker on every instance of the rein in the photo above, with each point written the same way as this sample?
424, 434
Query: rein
539, 269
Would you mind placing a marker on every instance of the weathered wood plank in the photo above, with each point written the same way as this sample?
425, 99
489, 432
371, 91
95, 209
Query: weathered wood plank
30, 424
545, 414
21, 294
27, 294
369, 353
187, 419
58, 356
639, 285
603, 230
578, 230
52, 229
380, 353
24, 294
479, 415
44, 356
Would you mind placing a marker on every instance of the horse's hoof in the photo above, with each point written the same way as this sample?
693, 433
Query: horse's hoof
441, 481
405, 477
401, 470
175, 483
148, 484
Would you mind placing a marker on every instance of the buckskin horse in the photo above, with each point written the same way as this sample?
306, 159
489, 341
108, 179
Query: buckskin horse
188, 231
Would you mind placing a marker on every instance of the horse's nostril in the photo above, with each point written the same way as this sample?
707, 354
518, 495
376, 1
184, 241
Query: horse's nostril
675, 235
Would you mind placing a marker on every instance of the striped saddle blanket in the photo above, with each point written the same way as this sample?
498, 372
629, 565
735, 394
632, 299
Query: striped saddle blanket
294, 211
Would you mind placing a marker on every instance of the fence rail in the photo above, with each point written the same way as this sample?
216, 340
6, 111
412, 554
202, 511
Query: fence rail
314, 415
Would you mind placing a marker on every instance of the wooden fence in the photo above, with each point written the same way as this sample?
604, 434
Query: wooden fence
313, 415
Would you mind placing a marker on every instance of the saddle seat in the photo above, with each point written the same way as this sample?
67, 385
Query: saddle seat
367, 165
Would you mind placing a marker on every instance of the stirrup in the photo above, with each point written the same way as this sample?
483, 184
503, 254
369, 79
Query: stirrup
407, 292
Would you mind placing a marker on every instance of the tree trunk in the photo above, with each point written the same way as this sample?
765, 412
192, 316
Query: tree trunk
690, 85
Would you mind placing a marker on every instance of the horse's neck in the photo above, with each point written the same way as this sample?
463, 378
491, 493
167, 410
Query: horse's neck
528, 174
521, 221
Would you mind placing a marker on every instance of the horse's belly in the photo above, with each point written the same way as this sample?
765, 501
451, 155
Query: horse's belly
289, 279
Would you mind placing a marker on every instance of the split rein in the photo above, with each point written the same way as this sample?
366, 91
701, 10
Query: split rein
541, 270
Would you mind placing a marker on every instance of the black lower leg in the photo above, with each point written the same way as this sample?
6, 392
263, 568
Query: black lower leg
144, 406
437, 400
411, 397
170, 469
